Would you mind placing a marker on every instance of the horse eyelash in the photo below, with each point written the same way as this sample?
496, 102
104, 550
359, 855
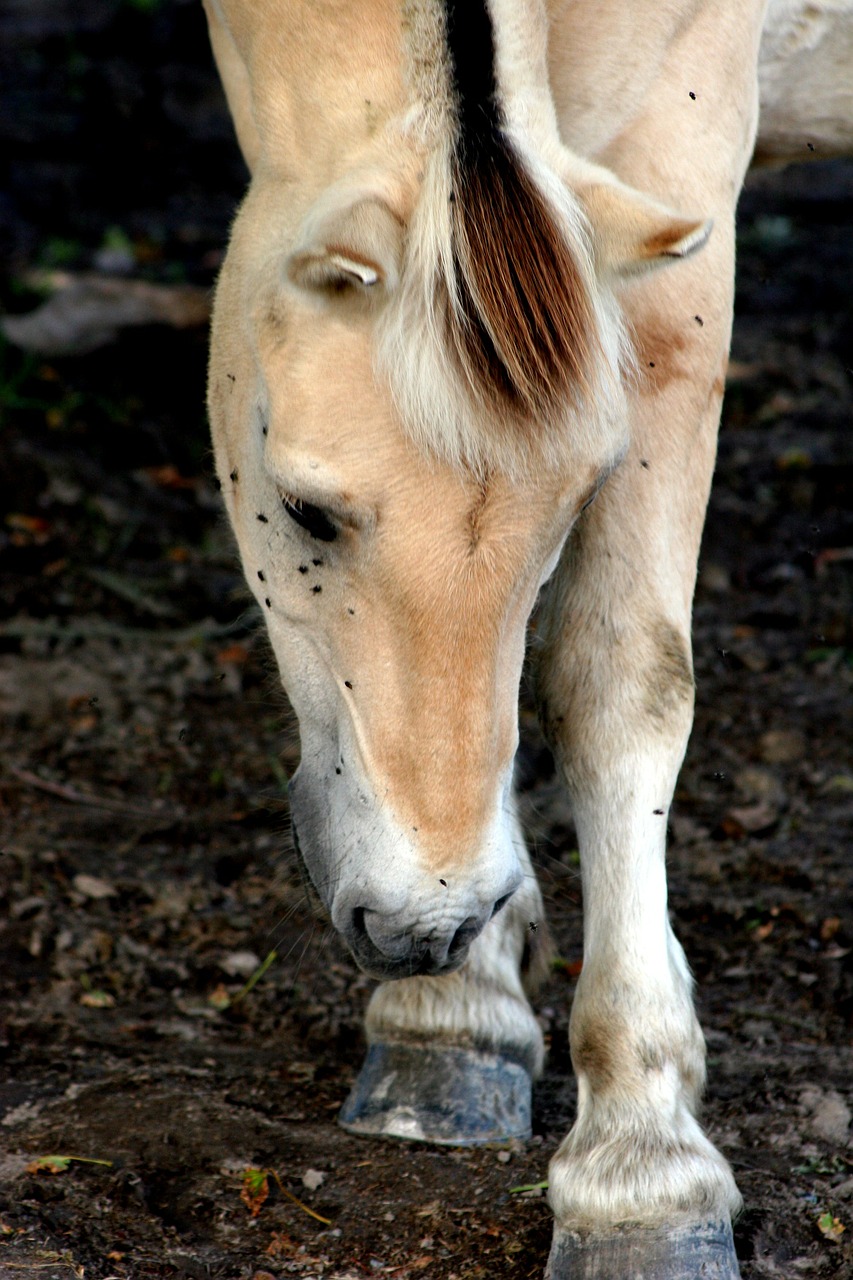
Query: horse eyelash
310, 518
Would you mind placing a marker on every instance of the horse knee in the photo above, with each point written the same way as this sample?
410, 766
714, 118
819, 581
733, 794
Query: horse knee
603, 695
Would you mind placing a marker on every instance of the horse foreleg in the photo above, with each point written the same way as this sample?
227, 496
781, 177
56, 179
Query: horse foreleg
451, 1059
636, 1187
619, 705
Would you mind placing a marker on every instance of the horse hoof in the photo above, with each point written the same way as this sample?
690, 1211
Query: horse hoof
452, 1096
697, 1250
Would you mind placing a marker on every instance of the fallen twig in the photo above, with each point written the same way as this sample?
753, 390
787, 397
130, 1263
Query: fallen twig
126, 589
255, 977
96, 629
73, 796
284, 1191
256, 1189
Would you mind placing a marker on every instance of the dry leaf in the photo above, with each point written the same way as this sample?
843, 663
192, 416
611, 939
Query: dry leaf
49, 1164
97, 1000
750, 819
831, 1228
829, 928
219, 997
255, 1190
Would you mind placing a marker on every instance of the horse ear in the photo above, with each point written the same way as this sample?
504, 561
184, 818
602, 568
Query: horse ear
358, 246
633, 234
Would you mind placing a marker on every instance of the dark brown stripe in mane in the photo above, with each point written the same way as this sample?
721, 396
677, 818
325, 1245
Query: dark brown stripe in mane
527, 321
471, 49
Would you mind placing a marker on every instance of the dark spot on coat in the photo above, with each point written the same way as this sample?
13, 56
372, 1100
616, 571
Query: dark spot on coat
303, 568
235, 475
262, 518
317, 563
261, 575
692, 95
592, 1055
268, 602
667, 682
476, 517
442, 881
644, 463
317, 589
351, 612
699, 320
662, 347
348, 684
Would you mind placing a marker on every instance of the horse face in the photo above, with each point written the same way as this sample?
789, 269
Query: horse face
396, 567
396, 588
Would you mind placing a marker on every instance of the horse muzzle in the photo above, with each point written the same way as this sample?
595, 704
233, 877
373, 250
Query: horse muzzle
399, 918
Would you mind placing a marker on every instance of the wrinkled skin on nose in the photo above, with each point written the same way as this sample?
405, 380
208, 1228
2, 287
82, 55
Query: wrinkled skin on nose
398, 916
430, 938
396, 588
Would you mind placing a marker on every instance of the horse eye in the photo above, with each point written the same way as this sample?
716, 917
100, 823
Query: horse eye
312, 519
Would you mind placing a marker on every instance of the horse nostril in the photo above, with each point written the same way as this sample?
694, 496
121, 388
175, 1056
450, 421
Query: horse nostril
358, 926
501, 902
465, 934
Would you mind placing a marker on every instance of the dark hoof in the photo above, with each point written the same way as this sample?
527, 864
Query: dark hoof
697, 1251
457, 1097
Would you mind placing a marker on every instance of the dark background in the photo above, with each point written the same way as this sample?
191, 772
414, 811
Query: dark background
144, 864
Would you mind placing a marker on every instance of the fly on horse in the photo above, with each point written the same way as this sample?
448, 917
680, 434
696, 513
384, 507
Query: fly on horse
469, 348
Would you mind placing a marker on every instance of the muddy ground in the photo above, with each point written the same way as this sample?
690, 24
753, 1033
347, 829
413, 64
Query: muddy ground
145, 873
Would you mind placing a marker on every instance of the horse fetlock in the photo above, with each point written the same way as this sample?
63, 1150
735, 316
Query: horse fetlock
620, 1165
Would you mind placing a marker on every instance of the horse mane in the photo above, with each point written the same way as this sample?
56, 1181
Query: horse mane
497, 331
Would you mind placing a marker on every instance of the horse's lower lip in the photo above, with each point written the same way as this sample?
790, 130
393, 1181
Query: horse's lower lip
372, 962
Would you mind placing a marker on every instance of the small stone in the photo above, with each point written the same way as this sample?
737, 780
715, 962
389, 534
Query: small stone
314, 1178
828, 1114
504, 1157
756, 784
93, 887
239, 964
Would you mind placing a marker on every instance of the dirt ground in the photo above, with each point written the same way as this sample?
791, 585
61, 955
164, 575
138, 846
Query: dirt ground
145, 870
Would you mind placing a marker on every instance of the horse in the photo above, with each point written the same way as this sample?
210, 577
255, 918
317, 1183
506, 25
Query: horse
468, 351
